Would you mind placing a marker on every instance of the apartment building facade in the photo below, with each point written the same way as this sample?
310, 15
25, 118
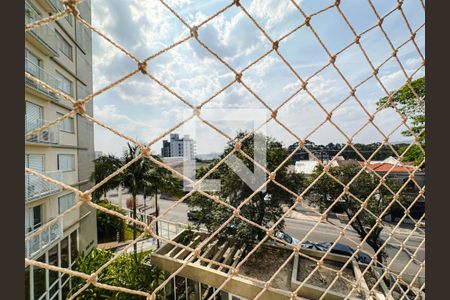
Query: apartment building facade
179, 147
59, 54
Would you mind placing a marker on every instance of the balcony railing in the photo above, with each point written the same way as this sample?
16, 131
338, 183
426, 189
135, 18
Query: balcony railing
48, 136
44, 33
44, 239
36, 187
57, 4
42, 75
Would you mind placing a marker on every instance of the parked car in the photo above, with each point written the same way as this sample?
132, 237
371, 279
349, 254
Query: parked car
192, 215
339, 248
286, 237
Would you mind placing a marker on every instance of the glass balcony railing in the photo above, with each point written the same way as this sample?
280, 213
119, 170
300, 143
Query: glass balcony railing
45, 34
43, 239
47, 136
36, 187
42, 75
57, 4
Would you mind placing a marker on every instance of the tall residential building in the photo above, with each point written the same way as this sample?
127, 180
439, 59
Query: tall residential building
179, 147
59, 54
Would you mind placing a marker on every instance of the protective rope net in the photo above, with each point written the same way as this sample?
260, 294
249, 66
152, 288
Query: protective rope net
305, 22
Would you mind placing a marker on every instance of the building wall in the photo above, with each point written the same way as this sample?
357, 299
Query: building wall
80, 142
178, 147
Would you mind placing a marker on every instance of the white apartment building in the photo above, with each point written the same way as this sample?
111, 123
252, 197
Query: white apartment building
59, 54
179, 147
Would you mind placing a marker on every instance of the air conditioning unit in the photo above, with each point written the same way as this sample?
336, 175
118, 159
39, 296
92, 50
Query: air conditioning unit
45, 136
33, 139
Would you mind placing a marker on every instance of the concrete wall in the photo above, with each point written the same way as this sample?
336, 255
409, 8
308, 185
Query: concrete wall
86, 154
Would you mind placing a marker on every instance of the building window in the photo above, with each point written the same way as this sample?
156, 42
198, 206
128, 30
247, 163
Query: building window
66, 162
32, 64
64, 84
69, 19
39, 278
53, 284
45, 284
27, 283
33, 116
73, 248
65, 202
64, 46
67, 124
33, 218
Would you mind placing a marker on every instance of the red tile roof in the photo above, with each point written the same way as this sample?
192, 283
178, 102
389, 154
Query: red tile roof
385, 167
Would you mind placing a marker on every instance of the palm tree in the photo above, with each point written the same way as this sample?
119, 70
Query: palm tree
161, 180
142, 176
135, 177
104, 166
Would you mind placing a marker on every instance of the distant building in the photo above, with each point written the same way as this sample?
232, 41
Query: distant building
307, 167
97, 154
165, 150
179, 147
399, 172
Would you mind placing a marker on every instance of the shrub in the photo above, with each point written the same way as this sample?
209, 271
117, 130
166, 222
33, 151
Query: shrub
108, 225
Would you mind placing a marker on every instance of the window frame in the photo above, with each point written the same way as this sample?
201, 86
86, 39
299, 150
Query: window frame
61, 78
62, 40
29, 54
72, 121
64, 197
72, 159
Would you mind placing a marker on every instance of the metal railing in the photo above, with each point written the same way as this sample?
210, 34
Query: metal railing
44, 239
169, 230
44, 34
48, 136
43, 75
36, 187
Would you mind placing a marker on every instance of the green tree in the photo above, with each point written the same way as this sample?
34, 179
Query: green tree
326, 190
104, 166
129, 271
160, 180
405, 100
264, 208
88, 263
108, 226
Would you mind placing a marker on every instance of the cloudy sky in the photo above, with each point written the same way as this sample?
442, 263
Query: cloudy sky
143, 110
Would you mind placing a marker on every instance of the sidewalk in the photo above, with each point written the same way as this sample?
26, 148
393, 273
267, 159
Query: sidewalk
303, 213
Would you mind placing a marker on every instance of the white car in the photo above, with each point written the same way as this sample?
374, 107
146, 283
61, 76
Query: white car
286, 237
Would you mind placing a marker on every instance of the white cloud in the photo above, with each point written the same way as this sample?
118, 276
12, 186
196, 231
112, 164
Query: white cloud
413, 63
143, 109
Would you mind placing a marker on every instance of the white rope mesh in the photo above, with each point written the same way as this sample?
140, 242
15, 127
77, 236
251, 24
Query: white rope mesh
240, 79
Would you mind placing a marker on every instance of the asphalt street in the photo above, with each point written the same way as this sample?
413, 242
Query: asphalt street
300, 228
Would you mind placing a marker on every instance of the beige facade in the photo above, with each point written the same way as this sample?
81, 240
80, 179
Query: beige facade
59, 54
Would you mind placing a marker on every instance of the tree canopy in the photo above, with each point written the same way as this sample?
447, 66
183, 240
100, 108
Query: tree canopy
326, 190
405, 100
143, 176
264, 208
128, 271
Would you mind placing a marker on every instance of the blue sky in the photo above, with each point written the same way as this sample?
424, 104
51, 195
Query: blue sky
142, 109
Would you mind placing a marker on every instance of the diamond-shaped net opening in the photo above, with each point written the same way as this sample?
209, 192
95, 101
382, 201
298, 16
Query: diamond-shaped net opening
362, 188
